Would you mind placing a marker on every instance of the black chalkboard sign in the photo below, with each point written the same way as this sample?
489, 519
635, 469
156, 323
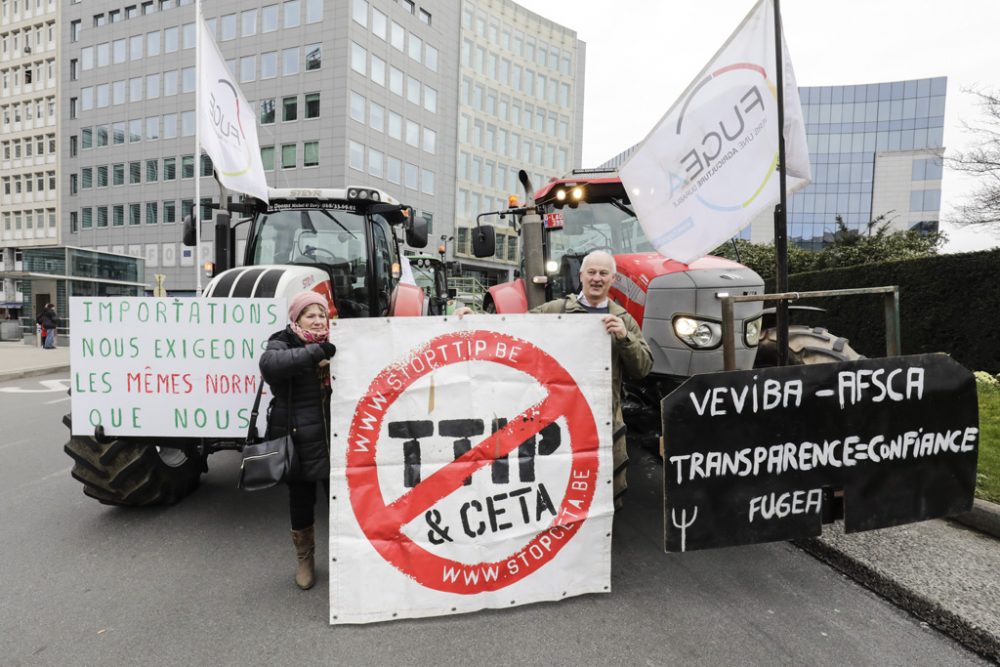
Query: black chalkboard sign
750, 455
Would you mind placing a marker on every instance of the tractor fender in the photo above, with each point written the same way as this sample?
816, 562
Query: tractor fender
509, 297
407, 301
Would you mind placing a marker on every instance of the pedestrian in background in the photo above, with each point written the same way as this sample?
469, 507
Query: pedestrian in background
49, 322
296, 368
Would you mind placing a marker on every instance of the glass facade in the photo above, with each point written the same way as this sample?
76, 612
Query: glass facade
846, 127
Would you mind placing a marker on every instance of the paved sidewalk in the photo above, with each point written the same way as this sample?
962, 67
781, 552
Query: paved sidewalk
18, 360
940, 571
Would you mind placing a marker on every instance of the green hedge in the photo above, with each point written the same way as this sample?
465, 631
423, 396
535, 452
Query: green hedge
948, 303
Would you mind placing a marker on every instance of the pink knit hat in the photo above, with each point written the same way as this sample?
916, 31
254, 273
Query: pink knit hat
303, 300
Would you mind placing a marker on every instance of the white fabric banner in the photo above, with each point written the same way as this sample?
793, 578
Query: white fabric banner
161, 367
710, 164
471, 464
227, 125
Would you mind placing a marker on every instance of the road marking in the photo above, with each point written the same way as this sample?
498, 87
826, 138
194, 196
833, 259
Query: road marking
50, 387
58, 400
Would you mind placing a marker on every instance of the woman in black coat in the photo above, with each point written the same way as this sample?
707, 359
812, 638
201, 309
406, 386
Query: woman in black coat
296, 368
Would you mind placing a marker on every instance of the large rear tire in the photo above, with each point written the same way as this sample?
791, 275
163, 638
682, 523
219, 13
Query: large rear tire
133, 473
806, 345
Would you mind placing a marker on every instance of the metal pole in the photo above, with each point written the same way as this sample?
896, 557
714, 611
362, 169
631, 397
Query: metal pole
893, 342
780, 222
196, 209
728, 339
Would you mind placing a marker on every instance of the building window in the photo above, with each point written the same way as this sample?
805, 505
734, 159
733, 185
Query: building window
118, 215
169, 168
86, 178
118, 174
269, 18
248, 23
314, 56
289, 108
288, 156
266, 112
312, 105
424, 16
357, 107
102, 176
314, 11
310, 154
359, 58
152, 170
133, 214
267, 157
290, 61
356, 156
169, 212
269, 65
187, 166
72, 221
359, 12
87, 221
375, 163
134, 172
151, 212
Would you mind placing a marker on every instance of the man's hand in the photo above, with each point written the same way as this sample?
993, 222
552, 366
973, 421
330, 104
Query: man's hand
464, 310
615, 326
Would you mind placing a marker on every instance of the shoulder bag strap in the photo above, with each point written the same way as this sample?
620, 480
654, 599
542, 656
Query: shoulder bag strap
252, 430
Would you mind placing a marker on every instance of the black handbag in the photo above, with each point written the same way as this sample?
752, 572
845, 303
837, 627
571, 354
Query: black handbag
266, 463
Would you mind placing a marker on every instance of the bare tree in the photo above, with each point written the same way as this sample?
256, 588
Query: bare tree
982, 161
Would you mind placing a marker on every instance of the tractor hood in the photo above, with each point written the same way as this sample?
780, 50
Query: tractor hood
271, 281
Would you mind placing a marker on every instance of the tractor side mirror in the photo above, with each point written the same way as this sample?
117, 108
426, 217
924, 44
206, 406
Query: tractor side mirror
416, 231
188, 235
484, 241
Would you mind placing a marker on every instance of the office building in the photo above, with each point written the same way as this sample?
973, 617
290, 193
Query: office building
347, 92
29, 100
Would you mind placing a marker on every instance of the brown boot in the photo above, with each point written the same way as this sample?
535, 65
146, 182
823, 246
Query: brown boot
305, 546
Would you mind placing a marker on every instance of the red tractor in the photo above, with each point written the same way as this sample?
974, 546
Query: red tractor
676, 304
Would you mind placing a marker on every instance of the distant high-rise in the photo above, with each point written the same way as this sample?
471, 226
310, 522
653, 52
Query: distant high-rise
875, 150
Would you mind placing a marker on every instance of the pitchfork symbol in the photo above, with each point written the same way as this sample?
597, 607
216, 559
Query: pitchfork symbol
684, 523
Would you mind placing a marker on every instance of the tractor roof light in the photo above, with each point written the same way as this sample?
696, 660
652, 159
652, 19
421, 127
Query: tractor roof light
578, 193
560, 195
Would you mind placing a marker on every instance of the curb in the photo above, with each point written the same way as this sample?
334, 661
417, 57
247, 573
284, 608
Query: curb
961, 630
984, 517
31, 372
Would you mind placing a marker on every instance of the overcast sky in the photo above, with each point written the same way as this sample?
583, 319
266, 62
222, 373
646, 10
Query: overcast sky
641, 54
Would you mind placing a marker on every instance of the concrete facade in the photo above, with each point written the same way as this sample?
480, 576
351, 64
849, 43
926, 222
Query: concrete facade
29, 65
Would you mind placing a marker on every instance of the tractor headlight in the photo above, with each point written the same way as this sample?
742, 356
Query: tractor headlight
699, 334
751, 332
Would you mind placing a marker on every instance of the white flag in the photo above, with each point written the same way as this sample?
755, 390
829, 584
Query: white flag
226, 123
709, 166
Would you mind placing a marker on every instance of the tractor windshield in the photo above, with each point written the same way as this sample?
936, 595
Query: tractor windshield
599, 225
331, 239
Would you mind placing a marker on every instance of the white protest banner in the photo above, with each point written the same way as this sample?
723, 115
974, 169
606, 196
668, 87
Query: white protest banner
227, 126
709, 166
168, 367
471, 464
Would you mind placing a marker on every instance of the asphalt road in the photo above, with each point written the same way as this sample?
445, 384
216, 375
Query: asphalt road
209, 581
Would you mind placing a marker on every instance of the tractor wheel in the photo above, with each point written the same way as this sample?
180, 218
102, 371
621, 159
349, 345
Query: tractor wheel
806, 345
129, 473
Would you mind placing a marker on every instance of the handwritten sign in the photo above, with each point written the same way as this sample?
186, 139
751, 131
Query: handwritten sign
754, 456
471, 464
168, 367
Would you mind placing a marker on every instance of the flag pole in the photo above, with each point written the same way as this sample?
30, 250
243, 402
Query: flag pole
196, 209
780, 219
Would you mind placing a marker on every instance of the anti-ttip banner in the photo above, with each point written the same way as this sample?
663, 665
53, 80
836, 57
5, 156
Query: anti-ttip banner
226, 123
710, 165
470, 464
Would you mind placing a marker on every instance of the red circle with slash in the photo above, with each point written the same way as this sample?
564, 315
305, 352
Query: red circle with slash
382, 523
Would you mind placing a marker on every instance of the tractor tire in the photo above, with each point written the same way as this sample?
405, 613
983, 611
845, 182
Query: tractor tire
132, 472
806, 345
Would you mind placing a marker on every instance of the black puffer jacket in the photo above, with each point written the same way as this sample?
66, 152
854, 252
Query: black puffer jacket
288, 362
